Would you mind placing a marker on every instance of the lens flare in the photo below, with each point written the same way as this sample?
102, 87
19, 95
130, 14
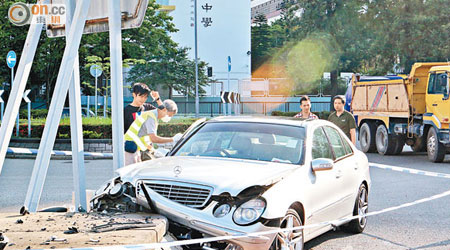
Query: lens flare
299, 66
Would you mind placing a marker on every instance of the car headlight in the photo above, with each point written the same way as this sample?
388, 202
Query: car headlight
249, 212
222, 210
116, 190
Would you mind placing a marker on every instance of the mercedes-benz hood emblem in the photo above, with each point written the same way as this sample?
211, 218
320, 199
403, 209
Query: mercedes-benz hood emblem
177, 170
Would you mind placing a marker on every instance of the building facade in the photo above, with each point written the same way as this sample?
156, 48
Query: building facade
223, 31
269, 8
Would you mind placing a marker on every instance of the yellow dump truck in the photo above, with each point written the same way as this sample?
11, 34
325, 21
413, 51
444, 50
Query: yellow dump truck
399, 109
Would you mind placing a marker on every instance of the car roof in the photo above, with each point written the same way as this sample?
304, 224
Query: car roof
281, 120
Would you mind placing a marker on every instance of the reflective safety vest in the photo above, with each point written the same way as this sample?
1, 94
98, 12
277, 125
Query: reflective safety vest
133, 132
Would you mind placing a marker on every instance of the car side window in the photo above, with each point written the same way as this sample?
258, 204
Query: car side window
320, 145
336, 142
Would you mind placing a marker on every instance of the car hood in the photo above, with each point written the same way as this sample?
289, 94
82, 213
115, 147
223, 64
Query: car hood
223, 174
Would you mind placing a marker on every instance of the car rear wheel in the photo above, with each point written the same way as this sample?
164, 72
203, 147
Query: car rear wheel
361, 208
367, 138
435, 149
289, 239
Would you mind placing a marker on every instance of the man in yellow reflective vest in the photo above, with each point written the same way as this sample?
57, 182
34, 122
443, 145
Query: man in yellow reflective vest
143, 132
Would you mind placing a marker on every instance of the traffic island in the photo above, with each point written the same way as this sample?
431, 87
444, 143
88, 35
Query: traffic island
80, 230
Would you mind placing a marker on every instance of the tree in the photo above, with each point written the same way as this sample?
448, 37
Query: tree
408, 31
341, 21
13, 38
289, 21
171, 71
261, 40
150, 42
105, 65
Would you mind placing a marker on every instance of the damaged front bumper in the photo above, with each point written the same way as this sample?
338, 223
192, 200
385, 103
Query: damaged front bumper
203, 219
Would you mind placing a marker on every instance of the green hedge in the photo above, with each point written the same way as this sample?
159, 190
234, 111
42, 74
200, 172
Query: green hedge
35, 113
103, 131
322, 115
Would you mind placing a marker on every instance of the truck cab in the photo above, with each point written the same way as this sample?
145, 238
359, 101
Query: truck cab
437, 97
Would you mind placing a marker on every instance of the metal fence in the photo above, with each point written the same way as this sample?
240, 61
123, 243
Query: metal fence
247, 108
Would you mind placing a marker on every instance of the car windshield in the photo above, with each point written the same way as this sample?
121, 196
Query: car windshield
253, 141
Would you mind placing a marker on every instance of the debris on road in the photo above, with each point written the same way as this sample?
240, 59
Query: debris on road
72, 230
98, 229
3, 241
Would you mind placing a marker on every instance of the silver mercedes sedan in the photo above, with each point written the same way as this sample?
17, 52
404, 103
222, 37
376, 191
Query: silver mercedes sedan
239, 175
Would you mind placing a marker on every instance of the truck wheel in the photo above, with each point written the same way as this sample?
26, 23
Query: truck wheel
367, 138
419, 145
385, 142
435, 149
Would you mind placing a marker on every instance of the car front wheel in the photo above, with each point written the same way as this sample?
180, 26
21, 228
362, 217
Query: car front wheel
289, 239
361, 208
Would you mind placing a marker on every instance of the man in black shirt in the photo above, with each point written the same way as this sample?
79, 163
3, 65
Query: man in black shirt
140, 94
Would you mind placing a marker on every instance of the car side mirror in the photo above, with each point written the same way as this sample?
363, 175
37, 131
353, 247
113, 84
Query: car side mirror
322, 164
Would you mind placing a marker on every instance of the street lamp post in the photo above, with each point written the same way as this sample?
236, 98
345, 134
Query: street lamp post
197, 104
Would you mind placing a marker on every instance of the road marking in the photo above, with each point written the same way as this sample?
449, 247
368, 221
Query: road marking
409, 170
67, 153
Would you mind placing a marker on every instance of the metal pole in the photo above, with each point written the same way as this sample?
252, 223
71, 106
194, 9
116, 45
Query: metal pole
54, 113
76, 125
115, 44
95, 95
224, 105
87, 104
16, 94
2, 104
238, 103
104, 106
17, 123
29, 119
229, 92
197, 102
187, 99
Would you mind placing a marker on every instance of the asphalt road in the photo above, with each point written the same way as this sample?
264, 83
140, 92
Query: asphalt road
423, 226
58, 187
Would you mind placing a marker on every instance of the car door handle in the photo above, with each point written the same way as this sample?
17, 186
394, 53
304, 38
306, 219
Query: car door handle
338, 174
434, 104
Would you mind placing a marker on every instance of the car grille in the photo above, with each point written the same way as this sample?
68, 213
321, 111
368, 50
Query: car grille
191, 195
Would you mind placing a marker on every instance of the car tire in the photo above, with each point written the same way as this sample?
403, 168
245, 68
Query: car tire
367, 138
284, 239
386, 143
361, 208
435, 149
